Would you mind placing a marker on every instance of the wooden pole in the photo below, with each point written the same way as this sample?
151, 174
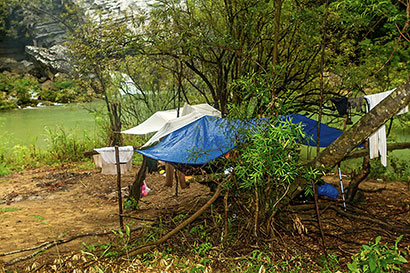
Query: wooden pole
319, 222
117, 160
176, 182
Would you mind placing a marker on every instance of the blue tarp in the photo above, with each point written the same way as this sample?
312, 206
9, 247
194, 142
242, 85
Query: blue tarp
327, 134
210, 137
197, 143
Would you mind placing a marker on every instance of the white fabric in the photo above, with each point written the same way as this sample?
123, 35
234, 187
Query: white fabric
108, 154
152, 124
204, 108
377, 141
173, 125
158, 120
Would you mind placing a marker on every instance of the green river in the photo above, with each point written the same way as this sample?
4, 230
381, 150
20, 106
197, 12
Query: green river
30, 126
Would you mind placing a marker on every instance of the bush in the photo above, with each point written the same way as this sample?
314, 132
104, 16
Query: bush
376, 257
63, 91
66, 147
19, 88
264, 169
62, 147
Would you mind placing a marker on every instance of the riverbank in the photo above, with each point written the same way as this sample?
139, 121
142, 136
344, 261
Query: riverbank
32, 126
54, 203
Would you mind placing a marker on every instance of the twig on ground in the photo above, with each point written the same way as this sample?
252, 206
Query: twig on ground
50, 244
150, 246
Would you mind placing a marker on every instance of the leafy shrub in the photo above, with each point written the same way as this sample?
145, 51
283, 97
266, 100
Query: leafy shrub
21, 88
63, 91
62, 147
66, 147
376, 257
264, 169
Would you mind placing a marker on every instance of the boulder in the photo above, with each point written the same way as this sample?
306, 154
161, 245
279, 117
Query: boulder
16, 67
52, 60
47, 85
44, 39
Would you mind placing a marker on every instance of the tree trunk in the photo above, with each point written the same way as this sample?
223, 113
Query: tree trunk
357, 134
367, 125
169, 172
136, 187
364, 172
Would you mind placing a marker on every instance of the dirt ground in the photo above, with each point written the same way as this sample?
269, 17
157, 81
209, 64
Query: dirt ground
43, 204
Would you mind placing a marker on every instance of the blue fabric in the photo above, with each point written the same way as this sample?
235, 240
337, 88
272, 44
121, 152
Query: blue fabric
327, 190
327, 134
210, 137
199, 142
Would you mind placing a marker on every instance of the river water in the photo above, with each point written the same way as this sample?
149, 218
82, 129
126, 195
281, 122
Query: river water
30, 126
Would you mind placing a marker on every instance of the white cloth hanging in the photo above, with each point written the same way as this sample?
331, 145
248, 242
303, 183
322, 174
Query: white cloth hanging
108, 154
377, 141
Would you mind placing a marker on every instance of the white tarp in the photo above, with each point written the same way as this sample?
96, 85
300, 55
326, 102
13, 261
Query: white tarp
173, 125
164, 118
153, 123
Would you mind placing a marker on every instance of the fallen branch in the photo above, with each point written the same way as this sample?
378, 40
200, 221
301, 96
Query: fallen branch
388, 226
148, 247
50, 244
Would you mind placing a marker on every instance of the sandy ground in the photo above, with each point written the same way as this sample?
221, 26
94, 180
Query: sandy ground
43, 204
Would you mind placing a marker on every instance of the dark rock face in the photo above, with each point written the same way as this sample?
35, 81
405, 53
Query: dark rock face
44, 44
51, 60
16, 67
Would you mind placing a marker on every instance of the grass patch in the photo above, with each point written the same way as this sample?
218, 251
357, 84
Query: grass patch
8, 209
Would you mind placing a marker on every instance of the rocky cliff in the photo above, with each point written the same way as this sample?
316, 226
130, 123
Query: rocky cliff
38, 45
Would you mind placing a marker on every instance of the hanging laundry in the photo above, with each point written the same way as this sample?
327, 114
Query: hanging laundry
341, 105
377, 141
108, 154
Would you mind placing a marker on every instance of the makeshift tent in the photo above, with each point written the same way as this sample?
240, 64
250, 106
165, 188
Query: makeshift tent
173, 125
197, 143
170, 119
208, 138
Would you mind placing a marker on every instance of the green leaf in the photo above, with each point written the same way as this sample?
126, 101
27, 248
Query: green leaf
378, 238
372, 263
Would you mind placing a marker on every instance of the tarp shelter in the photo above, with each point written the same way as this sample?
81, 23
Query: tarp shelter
170, 119
153, 123
197, 143
327, 133
209, 138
